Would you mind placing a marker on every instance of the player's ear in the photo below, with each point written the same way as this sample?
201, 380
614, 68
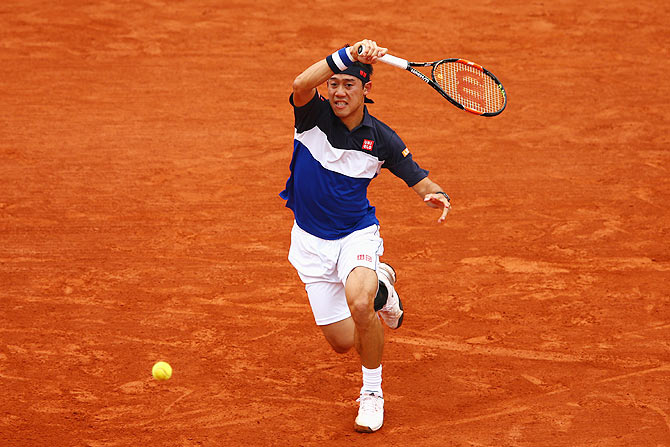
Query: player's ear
367, 88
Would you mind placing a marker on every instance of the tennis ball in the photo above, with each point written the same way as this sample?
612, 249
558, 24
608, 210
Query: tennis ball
161, 371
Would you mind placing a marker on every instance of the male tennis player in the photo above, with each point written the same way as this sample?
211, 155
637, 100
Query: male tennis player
335, 242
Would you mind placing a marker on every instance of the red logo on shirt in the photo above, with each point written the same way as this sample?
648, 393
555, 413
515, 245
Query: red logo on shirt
367, 144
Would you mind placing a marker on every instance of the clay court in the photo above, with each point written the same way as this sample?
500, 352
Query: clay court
143, 147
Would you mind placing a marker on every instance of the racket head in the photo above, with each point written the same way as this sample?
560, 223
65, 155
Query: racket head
470, 86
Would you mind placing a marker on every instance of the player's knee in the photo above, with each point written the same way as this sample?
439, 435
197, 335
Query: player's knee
341, 346
361, 307
362, 282
340, 335
360, 289
341, 341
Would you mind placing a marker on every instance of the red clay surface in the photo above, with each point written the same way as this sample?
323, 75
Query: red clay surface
143, 145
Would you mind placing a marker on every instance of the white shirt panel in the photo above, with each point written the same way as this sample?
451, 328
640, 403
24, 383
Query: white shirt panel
351, 163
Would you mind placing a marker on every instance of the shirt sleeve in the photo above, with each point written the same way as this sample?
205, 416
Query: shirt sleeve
401, 164
306, 115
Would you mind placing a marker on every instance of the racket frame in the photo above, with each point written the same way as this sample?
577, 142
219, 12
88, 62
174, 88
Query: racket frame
409, 66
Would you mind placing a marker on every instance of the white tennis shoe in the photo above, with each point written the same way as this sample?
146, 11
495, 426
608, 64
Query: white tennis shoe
392, 313
370, 412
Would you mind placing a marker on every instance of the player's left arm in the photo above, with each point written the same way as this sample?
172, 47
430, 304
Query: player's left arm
433, 195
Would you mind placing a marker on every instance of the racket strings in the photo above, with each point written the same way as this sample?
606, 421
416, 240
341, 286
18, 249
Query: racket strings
469, 86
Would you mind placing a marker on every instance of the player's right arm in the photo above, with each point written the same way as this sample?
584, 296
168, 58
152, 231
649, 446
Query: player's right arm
304, 86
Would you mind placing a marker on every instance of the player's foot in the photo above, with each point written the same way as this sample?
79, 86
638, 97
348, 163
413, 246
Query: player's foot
392, 313
370, 412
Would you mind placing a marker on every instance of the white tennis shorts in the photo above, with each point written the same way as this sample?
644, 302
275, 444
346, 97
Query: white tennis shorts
324, 266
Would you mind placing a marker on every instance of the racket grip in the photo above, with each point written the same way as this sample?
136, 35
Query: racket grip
388, 59
395, 61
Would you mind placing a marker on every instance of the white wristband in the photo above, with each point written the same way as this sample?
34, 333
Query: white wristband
340, 60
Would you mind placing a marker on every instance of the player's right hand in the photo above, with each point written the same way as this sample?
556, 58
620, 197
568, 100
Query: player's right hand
370, 51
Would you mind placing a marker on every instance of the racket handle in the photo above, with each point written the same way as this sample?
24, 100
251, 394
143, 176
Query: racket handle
395, 61
389, 59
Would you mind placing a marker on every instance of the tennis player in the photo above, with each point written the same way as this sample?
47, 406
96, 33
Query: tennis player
335, 241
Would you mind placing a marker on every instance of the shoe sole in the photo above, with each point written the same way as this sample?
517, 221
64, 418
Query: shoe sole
365, 428
403, 313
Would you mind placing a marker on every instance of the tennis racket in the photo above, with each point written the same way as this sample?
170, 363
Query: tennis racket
466, 85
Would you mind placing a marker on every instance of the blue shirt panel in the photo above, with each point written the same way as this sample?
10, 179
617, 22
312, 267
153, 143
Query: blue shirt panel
328, 205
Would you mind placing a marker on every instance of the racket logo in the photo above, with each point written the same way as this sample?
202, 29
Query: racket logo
470, 86
367, 145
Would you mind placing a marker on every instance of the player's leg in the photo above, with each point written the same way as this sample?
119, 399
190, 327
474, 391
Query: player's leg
330, 303
361, 289
331, 314
357, 266
315, 260
340, 335
325, 268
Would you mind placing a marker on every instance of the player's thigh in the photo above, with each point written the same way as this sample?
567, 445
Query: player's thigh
360, 290
340, 335
361, 248
328, 302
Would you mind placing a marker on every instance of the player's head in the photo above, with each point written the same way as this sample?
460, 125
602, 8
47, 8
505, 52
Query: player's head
360, 70
348, 89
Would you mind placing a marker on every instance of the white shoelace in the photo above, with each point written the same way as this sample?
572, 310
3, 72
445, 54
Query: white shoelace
370, 403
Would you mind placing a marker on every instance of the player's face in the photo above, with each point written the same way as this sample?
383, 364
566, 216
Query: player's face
346, 94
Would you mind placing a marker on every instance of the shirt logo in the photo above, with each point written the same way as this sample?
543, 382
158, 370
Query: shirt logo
367, 144
405, 153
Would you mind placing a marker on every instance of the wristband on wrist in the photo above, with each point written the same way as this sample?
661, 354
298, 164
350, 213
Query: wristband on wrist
444, 194
340, 60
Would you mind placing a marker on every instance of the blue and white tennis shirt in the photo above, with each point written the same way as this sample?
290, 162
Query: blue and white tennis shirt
332, 167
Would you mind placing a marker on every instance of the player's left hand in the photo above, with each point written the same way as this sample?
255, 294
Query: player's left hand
438, 201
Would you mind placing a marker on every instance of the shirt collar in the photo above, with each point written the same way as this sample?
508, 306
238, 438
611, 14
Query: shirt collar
367, 120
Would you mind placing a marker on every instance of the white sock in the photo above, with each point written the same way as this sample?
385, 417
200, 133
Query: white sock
372, 380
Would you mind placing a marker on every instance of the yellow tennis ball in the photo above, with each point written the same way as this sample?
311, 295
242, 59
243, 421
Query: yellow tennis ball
161, 371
